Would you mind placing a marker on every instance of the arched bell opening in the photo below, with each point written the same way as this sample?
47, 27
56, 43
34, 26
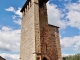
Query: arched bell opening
44, 58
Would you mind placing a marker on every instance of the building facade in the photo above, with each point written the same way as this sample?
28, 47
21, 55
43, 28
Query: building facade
39, 40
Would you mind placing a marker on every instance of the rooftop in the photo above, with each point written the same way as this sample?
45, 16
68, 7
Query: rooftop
27, 2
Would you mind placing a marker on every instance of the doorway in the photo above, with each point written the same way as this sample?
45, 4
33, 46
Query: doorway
44, 58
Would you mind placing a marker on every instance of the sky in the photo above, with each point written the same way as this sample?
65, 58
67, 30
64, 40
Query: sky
62, 13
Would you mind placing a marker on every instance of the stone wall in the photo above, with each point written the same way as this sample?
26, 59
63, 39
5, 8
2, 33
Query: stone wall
49, 37
27, 48
38, 39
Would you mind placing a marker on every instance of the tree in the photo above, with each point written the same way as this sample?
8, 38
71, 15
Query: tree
72, 57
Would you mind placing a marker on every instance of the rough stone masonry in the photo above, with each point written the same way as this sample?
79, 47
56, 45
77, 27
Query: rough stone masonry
39, 40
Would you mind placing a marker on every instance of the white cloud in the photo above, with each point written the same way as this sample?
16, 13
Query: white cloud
17, 21
6, 28
73, 15
9, 39
79, 1
73, 20
54, 16
71, 43
14, 16
16, 12
11, 9
63, 55
10, 56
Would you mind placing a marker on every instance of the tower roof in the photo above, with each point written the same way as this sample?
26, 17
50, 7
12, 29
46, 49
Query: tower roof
27, 2
53, 25
44, 1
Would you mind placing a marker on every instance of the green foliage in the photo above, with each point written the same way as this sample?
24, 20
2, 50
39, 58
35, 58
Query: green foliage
72, 57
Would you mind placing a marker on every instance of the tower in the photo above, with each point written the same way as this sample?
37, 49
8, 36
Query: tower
39, 40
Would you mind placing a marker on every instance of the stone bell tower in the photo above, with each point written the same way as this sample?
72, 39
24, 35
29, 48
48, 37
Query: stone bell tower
39, 40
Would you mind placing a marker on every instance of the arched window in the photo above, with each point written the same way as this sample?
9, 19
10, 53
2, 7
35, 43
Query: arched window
44, 58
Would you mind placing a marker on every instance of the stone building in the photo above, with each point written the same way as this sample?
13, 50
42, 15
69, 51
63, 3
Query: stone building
2, 58
39, 40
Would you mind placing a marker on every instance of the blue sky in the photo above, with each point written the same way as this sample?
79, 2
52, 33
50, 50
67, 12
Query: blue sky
62, 13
